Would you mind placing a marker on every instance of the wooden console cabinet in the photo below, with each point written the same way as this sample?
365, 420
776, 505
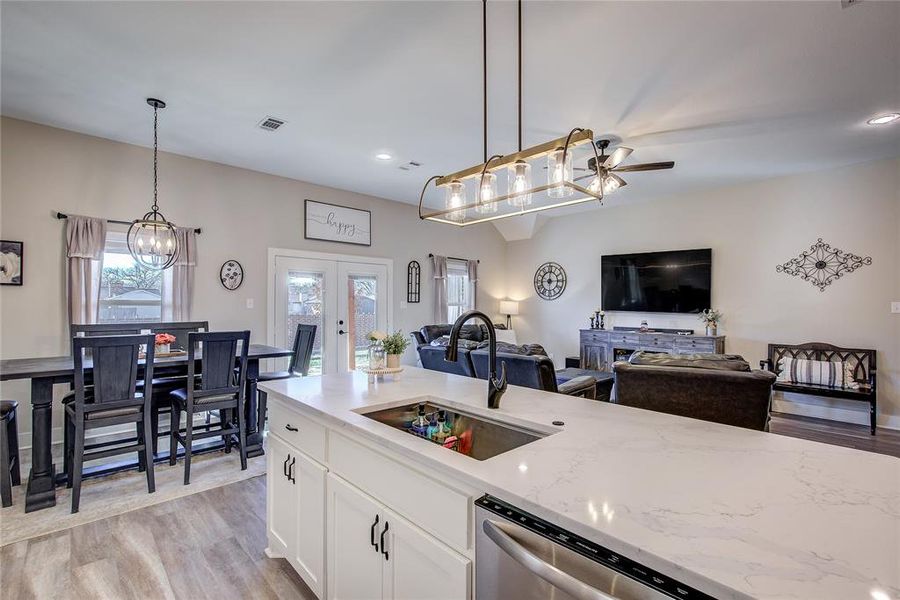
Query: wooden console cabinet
601, 348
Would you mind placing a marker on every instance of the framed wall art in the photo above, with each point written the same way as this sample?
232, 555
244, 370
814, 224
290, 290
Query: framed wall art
11, 262
333, 223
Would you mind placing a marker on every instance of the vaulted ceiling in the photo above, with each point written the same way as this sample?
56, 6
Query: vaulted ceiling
732, 91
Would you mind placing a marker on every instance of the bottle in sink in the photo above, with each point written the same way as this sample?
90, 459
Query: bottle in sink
419, 426
441, 431
432, 426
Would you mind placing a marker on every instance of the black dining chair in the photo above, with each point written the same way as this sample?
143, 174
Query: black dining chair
10, 473
166, 379
304, 339
220, 386
113, 399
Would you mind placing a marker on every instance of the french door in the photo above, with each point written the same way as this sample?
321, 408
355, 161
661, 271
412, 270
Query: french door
344, 299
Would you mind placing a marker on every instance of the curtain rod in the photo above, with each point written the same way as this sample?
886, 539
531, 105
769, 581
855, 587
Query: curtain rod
455, 258
60, 215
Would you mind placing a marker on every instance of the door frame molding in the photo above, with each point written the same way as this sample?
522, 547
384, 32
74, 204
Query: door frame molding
271, 295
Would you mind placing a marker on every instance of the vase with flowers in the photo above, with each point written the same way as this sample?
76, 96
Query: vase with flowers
711, 318
163, 343
376, 351
395, 344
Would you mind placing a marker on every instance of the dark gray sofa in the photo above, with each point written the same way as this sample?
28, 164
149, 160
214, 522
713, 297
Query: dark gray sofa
712, 387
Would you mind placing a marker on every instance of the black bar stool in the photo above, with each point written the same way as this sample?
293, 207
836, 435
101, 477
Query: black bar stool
9, 450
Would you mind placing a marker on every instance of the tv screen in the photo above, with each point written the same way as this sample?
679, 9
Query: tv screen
672, 282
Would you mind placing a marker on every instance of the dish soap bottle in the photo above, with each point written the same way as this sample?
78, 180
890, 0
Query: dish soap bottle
441, 431
419, 425
432, 427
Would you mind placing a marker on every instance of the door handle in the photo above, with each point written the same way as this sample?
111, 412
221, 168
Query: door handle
284, 470
290, 428
549, 573
291, 471
372, 534
341, 332
383, 532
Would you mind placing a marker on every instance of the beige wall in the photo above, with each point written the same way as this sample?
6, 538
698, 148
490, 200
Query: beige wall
750, 229
242, 213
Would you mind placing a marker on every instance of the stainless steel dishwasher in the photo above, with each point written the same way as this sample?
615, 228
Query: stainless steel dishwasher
519, 556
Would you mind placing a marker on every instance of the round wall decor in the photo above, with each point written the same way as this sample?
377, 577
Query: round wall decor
550, 281
231, 275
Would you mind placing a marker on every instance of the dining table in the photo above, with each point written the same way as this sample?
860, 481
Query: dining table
44, 372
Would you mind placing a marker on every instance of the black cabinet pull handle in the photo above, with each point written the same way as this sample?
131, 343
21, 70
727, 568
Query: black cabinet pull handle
291, 471
284, 470
372, 534
383, 532
289, 427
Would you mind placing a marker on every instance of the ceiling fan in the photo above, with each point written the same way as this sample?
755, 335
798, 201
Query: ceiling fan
609, 166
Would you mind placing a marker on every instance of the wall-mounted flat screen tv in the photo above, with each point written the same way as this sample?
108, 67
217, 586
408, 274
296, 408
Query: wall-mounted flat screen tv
678, 281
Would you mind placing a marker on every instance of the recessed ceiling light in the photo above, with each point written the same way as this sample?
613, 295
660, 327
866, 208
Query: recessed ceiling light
884, 119
383, 156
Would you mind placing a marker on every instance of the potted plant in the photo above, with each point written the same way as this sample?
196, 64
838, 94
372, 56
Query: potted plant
163, 342
376, 349
711, 317
395, 344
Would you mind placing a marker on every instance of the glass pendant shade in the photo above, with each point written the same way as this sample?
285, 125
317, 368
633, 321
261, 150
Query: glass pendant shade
454, 199
486, 193
519, 182
152, 242
610, 185
558, 172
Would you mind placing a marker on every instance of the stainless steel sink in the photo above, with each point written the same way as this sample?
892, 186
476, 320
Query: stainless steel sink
475, 436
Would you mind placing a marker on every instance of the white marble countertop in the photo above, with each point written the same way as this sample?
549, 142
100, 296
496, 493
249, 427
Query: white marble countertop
733, 512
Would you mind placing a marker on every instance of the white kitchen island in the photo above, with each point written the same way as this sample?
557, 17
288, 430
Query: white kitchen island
732, 512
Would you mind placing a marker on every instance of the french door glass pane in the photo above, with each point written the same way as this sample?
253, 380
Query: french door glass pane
305, 297
362, 298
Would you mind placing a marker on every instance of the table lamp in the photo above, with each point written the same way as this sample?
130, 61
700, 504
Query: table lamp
509, 308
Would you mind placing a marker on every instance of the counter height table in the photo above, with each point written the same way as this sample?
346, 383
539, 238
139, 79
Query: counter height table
40, 492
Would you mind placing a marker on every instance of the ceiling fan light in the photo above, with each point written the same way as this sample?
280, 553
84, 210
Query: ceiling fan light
487, 191
519, 182
559, 171
455, 199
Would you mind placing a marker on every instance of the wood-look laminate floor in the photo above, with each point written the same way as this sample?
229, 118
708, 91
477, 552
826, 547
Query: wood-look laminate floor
207, 545
886, 441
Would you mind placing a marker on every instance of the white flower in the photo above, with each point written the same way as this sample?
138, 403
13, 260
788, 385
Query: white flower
10, 266
377, 335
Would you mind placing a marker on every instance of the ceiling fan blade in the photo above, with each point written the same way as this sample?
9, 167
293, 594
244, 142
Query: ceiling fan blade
617, 156
647, 166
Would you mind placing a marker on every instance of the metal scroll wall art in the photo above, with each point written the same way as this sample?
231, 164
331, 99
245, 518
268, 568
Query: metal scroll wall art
822, 264
413, 281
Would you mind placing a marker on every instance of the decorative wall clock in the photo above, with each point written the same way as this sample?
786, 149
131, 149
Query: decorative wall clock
550, 281
822, 264
231, 275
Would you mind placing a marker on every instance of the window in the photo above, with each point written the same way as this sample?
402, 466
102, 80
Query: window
128, 291
460, 291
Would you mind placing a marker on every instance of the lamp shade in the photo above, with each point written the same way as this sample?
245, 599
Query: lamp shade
509, 307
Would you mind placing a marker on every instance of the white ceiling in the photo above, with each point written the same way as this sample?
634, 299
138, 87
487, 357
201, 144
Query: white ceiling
732, 91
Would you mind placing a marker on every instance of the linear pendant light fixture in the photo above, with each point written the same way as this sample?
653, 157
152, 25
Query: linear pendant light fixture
151, 239
537, 178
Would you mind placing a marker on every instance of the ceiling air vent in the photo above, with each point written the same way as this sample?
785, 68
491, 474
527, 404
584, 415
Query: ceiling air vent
271, 123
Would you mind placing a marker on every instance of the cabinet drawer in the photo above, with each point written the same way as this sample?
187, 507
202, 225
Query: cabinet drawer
594, 337
436, 508
630, 339
654, 340
690, 345
297, 430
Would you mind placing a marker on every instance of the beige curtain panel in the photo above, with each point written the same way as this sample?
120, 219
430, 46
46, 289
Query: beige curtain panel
178, 282
440, 288
85, 240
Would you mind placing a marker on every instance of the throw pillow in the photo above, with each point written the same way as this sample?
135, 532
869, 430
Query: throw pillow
816, 372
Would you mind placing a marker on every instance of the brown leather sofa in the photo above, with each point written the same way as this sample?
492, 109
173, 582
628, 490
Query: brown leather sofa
712, 387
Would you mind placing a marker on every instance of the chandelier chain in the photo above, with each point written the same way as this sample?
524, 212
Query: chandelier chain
155, 157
